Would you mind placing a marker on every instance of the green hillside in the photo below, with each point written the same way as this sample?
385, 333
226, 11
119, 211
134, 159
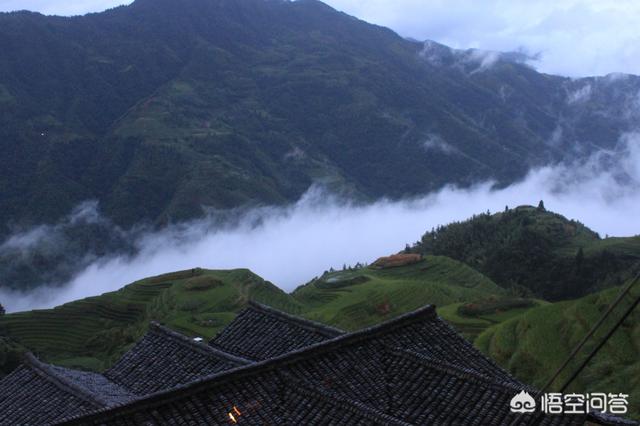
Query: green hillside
534, 344
91, 333
536, 252
353, 299
492, 310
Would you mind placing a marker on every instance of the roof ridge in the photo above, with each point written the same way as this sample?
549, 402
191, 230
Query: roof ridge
346, 403
197, 385
459, 371
203, 348
47, 372
470, 345
327, 330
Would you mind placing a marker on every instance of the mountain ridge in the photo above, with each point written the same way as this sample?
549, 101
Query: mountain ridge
159, 108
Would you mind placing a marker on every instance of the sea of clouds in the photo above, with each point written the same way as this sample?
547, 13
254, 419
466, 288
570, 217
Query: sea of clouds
290, 245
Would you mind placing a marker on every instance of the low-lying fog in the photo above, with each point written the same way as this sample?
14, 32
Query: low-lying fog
289, 246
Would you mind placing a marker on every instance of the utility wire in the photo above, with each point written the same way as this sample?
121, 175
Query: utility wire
595, 328
577, 349
589, 357
601, 344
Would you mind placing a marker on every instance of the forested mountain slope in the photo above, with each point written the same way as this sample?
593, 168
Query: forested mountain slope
163, 107
536, 252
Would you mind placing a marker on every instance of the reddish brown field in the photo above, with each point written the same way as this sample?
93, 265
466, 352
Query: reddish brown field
396, 260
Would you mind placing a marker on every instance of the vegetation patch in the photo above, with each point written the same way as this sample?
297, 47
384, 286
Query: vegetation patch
175, 276
202, 282
493, 305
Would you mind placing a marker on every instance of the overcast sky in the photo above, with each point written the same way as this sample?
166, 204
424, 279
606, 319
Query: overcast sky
574, 37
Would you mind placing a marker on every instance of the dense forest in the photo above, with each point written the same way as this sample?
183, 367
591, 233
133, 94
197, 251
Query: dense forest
535, 252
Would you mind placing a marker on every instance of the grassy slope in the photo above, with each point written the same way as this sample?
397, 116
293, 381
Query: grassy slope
534, 344
623, 246
473, 326
90, 333
388, 292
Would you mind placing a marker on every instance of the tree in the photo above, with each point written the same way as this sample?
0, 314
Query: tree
541, 206
579, 257
2, 311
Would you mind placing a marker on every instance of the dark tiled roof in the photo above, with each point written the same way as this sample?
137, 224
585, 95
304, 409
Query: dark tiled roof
96, 385
163, 359
365, 371
38, 393
260, 332
429, 392
606, 419
266, 398
434, 338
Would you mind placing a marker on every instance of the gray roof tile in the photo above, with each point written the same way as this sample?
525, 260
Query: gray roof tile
260, 332
37, 393
368, 371
164, 359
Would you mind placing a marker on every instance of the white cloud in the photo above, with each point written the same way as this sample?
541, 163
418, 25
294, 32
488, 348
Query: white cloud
580, 95
486, 59
59, 7
289, 246
436, 143
574, 37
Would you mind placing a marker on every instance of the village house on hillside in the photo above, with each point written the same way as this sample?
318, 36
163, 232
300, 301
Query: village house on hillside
268, 367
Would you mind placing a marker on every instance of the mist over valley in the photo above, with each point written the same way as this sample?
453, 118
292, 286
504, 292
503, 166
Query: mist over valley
291, 245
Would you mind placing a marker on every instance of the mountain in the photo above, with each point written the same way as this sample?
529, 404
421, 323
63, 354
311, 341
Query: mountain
164, 108
536, 252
